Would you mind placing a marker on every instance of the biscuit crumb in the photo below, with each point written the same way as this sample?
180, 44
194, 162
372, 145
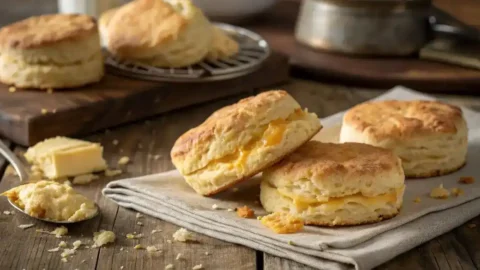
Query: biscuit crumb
7, 212
67, 252
169, 241
457, 192
197, 267
84, 179
123, 160
121, 267
139, 223
115, 142
103, 237
44, 111
179, 256
77, 244
440, 192
134, 236
215, 207
121, 249
138, 247
111, 173
49, 90
156, 157
290, 242
417, 200
245, 212
259, 218
25, 226
155, 231
230, 210
169, 266
12, 89
62, 244
281, 223
64, 260
54, 249
207, 253
60, 231
466, 180
234, 189
138, 215
472, 225
152, 249
182, 235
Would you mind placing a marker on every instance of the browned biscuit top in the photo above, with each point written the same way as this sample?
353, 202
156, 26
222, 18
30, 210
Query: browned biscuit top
403, 119
44, 30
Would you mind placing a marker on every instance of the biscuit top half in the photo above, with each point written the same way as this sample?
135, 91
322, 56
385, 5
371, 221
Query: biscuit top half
399, 120
233, 127
144, 24
39, 31
322, 170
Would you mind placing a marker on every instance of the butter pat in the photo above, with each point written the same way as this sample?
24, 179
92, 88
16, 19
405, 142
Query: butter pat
60, 157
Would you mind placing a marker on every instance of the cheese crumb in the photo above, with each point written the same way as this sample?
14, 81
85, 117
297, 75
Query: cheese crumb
12, 89
54, 249
77, 244
417, 200
25, 226
182, 235
197, 267
290, 242
138, 247
215, 207
245, 212
152, 249
84, 179
466, 180
281, 222
123, 160
259, 218
440, 192
60, 231
179, 256
62, 244
457, 192
169, 267
134, 236
103, 237
111, 173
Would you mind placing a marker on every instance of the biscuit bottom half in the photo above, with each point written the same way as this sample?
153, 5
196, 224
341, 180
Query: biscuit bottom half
340, 211
51, 75
273, 141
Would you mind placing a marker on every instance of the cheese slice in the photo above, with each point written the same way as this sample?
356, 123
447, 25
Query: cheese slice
62, 157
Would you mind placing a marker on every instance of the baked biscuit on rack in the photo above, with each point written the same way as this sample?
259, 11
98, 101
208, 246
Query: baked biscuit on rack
162, 33
223, 46
240, 140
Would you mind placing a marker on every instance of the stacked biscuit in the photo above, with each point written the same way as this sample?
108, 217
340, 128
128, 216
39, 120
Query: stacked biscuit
51, 51
361, 180
163, 33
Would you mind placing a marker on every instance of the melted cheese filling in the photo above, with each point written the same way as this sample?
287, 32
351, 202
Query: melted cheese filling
272, 135
333, 204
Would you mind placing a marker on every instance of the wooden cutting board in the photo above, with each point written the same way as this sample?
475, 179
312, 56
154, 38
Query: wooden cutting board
277, 27
114, 101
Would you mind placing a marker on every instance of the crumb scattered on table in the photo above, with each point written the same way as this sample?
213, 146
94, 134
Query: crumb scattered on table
466, 180
457, 192
123, 160
281, 223
440, 192
182, 235
245, 212
417, 200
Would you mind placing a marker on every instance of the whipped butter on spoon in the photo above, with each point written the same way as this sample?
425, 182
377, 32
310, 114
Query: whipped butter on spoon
52, 202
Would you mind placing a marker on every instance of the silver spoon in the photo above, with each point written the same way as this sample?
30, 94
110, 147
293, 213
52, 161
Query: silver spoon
55, 221
22, 173
14, 161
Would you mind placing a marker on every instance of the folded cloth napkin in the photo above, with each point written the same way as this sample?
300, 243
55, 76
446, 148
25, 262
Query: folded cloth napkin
168, 197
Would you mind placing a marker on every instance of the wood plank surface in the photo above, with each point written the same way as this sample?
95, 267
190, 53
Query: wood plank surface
27, 249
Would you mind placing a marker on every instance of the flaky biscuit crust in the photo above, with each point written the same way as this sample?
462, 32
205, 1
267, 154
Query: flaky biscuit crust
45, 30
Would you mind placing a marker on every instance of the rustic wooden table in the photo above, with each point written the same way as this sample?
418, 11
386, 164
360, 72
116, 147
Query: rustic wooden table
27, 249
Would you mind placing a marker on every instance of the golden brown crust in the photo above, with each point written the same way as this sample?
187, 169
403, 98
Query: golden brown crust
231, 184
45, 30
128, 32
346, 223
435, 173
230, 118
321, 160
395, 119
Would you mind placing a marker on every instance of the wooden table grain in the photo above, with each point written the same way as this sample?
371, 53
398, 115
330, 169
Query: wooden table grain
148, 143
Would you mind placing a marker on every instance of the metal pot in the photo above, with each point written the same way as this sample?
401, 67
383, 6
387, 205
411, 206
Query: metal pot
364, 27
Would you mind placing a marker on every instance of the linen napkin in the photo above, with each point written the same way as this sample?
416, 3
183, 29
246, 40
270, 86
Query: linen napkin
168, 197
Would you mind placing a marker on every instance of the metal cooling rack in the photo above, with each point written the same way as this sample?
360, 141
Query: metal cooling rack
254, 50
